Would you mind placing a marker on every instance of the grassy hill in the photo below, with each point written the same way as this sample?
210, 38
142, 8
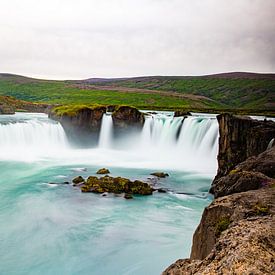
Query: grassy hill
254, 92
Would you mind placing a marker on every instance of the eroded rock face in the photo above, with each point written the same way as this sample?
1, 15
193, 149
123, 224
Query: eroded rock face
253, 173
83, 126
127, 118
245, 248
240, 138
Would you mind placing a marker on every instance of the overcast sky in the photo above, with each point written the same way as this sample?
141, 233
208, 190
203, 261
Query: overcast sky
73, 39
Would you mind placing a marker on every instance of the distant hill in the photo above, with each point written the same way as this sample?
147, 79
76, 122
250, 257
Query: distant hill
235, 90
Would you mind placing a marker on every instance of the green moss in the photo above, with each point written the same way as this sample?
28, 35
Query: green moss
234, 171
221, 225
72, 110
261, 210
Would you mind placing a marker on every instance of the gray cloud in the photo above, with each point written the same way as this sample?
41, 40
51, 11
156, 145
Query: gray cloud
111, 38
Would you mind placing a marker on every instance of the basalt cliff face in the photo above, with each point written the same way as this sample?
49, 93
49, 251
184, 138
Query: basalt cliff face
240, 138
127, 119
236, 234
82, 123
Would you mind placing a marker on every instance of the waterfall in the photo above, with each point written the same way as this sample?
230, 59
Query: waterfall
190, 139
165, 142
106, 132
29, 136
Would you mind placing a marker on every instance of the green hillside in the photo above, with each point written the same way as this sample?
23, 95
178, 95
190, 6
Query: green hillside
229, 91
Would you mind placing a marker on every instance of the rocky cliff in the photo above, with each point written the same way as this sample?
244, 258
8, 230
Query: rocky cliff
240, 138
127, 119
236, 233
82, 122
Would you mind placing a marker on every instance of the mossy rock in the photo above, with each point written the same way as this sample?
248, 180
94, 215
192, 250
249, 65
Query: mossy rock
78, 180
160, 174
103, 171
116, 185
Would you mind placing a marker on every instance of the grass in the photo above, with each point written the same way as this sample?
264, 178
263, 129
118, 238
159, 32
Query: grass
240, 93
71, 110
255, 96
54, 92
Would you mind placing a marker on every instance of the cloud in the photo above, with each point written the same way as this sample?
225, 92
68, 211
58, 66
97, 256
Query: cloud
112, 38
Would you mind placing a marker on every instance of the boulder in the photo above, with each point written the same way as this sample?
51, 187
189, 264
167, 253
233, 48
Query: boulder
160, 174
78, 180
103, 171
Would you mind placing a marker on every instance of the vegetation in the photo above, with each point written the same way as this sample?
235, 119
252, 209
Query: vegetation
222, 225
261, 210
201, 94
71, 110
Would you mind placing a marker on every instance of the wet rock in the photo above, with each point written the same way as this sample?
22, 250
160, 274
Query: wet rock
160, 174
116, 185
127, 119
128, 196
161, 190
103, 171
78, 180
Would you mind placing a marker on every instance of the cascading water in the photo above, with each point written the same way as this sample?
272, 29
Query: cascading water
55, 229
106, 132
31, 136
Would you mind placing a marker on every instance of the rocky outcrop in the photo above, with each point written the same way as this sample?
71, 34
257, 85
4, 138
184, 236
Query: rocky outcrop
245, 248
8, 106
254, 173
81, 123
126, 118
240, 138
116, 185
103, 171
160, 174
236, 234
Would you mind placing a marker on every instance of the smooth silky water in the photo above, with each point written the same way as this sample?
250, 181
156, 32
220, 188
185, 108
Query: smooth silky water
48, 227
